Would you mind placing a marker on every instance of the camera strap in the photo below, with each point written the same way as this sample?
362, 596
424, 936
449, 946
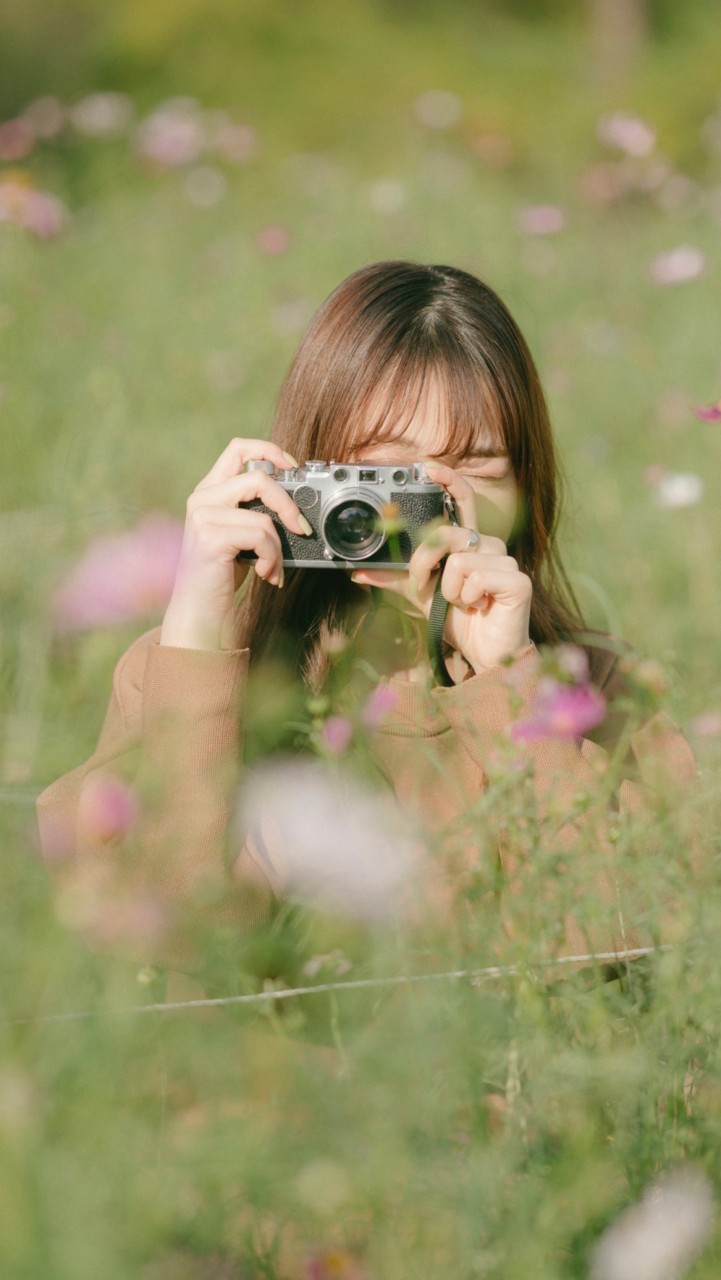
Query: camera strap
436, 623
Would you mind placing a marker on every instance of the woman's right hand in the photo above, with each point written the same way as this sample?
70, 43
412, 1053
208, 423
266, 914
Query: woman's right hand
216, 529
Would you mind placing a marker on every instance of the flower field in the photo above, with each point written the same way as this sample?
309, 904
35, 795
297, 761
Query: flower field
426, 1101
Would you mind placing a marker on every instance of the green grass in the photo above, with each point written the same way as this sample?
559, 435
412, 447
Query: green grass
448, 1129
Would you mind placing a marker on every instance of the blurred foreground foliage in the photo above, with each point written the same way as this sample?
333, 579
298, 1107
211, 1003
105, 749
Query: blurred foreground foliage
492, 1129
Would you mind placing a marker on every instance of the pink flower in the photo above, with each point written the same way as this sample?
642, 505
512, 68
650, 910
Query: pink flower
708, 413
573, 662
108, 808
561, 711
382, 701
238, 143
678, 265
541, 220
173, 135
272, 241
336, 734
706, 725
627, 132
35, 211
16, 139
44, 215
121, 576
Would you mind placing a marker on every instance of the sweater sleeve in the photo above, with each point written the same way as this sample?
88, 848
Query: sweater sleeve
582, 825
171, 741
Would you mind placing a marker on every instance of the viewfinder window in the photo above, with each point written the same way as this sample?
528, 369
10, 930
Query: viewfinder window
369, 474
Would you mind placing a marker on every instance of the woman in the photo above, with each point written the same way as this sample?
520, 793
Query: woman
403, 363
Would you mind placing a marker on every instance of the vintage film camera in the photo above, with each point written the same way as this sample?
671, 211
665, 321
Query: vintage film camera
359, 512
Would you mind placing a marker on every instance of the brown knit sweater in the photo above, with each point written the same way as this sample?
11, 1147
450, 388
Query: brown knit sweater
173, 726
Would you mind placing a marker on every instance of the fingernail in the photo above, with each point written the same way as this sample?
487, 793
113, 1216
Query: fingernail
293, 461
305, 527
281, 578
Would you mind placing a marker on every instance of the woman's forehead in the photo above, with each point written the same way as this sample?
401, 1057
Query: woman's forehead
428, 427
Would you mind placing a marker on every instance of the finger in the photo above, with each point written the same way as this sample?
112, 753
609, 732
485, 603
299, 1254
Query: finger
244, 488
470, 587
240, 452
220, 534
389, 579
460, 490
444, 540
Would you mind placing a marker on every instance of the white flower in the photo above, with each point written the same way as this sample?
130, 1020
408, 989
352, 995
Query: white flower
102, 115
326, 838
679, 489
658, 1238
678, 266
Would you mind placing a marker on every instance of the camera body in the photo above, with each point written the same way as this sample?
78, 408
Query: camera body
360, 513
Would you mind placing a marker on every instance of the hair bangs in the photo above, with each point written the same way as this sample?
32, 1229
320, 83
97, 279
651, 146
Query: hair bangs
452, 390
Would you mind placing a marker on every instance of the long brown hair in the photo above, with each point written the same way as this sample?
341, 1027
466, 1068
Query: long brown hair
377, 341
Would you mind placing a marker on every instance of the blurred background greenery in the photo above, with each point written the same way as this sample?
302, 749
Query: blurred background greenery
207, 171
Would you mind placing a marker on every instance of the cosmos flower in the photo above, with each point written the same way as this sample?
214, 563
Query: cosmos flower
41, 214
173, 135
108, 808
336, 734
272, 241
379, 705
659, 1237
328, 839
708, 413
560, 710
676, 489
541, 219
16, 139
102, 115
121, 576
628, 132
677, 266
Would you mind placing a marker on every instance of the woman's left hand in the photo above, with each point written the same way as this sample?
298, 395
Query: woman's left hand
489, 597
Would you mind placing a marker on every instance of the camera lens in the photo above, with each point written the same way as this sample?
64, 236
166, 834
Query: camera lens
351, 529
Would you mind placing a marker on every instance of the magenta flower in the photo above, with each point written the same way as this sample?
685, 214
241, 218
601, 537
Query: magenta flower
561, 711
121, 576
708, 413
336, 734
382, 701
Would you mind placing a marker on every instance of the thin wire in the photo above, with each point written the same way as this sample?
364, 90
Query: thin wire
286, 993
